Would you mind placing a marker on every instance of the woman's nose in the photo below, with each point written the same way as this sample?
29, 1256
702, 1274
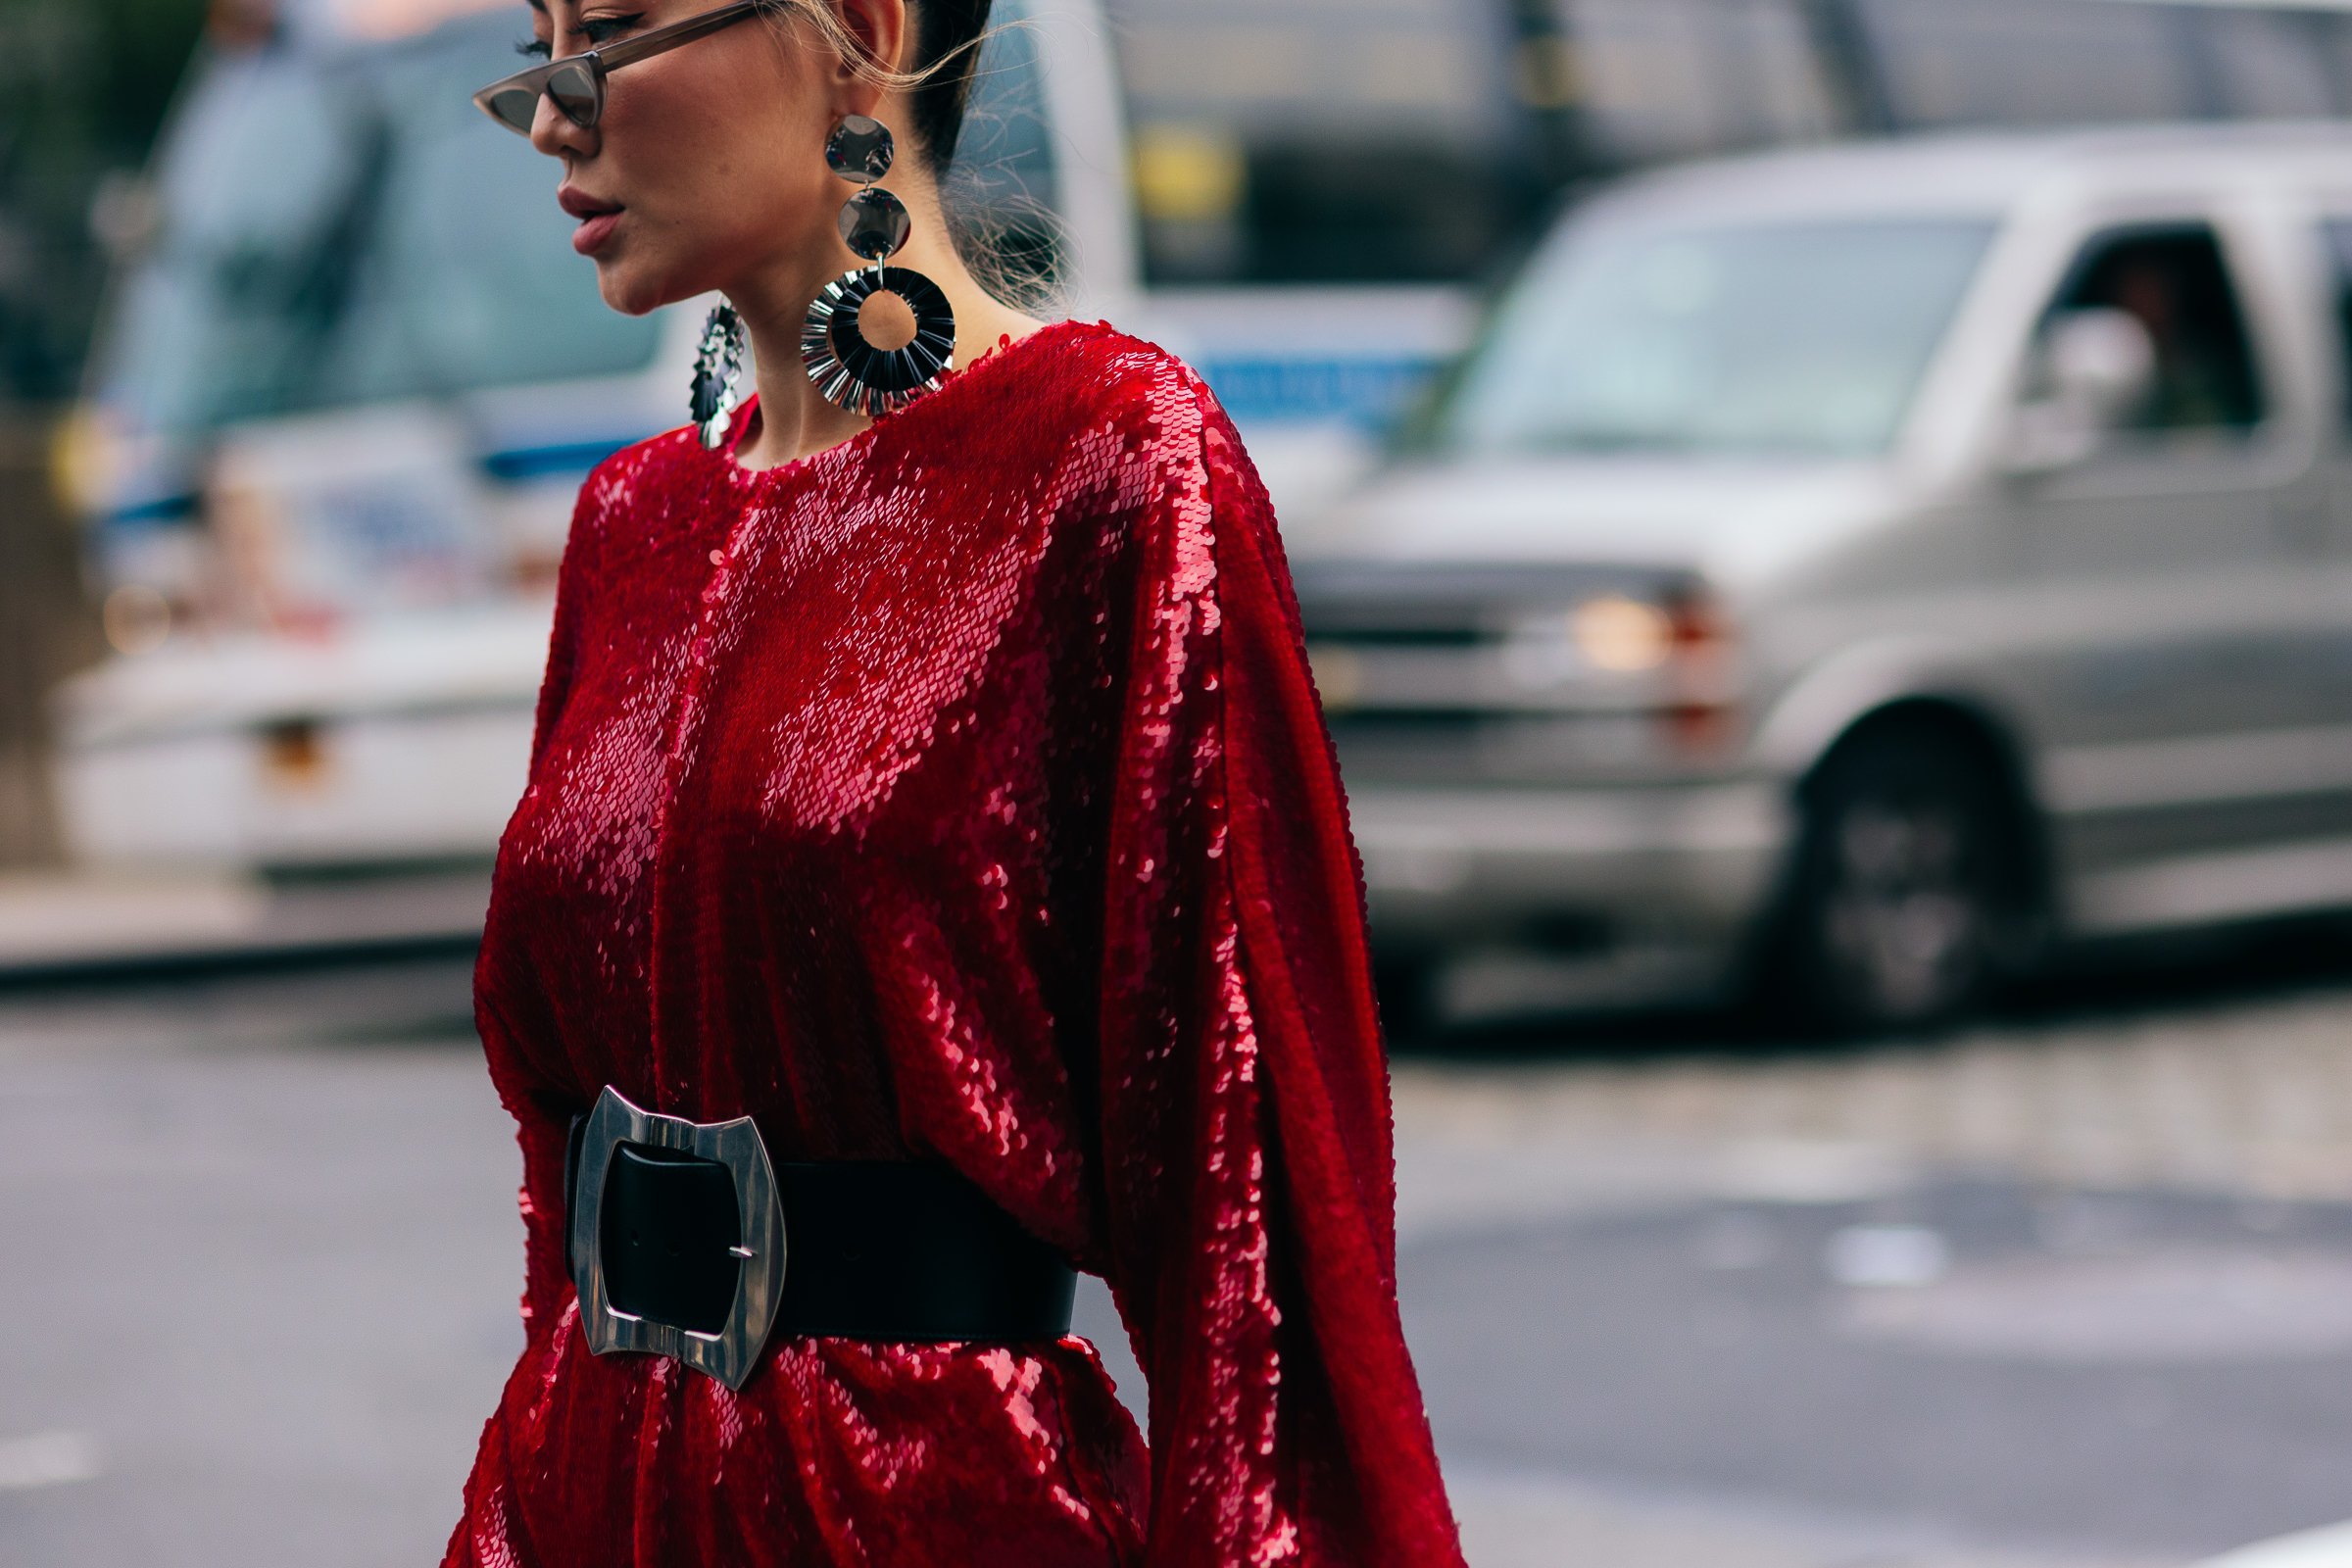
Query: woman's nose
555, 134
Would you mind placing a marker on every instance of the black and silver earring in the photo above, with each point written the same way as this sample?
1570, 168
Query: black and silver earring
719, 376
851, 372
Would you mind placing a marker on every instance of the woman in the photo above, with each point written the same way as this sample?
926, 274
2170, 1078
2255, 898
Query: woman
943, 792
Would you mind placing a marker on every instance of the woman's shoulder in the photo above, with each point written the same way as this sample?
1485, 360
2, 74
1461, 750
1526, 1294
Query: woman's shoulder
1118, 416
1128, 425
627, 501
653, 461
1090, 372
658, 474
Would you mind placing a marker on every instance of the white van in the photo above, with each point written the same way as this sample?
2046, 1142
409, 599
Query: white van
1851, 570
342, 404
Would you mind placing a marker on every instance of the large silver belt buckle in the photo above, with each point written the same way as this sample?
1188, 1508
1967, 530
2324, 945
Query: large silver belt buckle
731, 1354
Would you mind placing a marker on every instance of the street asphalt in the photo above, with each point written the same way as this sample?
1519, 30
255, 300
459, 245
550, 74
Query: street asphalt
1678, 1300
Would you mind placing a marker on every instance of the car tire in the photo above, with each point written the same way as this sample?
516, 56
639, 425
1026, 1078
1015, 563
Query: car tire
1405, 988
1904, 898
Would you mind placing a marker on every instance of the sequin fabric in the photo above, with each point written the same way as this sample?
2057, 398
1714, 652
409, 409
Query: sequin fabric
959, 794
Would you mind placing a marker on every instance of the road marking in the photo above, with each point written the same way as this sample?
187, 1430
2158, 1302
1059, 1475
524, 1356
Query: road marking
1520, 1519
2172, 1308
49, 1460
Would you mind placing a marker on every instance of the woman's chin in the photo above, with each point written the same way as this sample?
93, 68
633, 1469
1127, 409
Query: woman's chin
629, 289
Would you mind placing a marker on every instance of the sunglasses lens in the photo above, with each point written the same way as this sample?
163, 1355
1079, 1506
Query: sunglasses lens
514, 107
573, 88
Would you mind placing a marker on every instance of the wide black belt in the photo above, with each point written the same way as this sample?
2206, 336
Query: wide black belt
686, 1241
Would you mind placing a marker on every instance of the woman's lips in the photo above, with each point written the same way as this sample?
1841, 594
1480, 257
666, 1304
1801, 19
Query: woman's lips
594, 231
596, 218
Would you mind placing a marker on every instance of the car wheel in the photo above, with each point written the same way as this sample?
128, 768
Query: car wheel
1904, 884
1406, 987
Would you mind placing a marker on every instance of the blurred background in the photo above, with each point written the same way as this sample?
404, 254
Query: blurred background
1824, 530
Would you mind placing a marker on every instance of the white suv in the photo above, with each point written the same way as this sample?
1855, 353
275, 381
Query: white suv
342, 403
1848, 571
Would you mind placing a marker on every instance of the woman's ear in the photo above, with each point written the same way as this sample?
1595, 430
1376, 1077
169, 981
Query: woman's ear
883, 29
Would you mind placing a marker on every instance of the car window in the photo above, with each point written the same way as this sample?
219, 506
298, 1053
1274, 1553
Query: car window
258, 180
350, 229
1804, 339
2174, 279
465, 277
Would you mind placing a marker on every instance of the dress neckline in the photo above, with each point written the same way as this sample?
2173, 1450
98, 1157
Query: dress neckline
951, 381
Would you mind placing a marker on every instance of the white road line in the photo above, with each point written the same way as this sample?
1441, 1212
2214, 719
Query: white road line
1526, 1520
49, 1460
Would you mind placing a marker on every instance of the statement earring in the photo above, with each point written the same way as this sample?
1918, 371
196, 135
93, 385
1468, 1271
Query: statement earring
719, 376
849, 371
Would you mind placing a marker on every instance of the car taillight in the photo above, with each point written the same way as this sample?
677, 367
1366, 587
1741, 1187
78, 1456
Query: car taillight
1701, 714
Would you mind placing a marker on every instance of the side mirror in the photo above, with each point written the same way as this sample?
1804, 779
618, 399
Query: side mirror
2090, 370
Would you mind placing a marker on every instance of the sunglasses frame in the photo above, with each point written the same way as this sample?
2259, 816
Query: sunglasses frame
598, 64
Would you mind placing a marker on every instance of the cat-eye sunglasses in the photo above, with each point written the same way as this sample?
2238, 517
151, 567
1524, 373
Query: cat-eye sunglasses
576, 82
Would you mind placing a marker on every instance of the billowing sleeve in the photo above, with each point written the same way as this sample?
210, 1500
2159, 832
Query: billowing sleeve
573, 576
507, 1010
1246, 1157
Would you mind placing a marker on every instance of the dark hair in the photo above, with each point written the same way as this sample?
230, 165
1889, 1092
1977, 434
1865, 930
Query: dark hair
947, 52
1013, 256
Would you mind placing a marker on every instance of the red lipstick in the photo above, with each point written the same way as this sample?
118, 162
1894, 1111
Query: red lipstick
597, 218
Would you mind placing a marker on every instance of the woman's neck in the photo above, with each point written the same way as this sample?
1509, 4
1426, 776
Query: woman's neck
793, 419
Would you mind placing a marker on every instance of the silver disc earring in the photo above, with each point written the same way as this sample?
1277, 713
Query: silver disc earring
851, 372
719, 376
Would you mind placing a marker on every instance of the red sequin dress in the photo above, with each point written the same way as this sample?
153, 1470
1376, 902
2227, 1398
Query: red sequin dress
959, 794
